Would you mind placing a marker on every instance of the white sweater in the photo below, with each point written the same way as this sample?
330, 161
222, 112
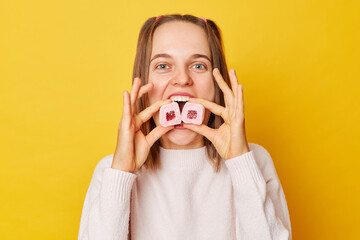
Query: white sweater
187, 200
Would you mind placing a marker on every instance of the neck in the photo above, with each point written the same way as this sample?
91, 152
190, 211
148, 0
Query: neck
185, 159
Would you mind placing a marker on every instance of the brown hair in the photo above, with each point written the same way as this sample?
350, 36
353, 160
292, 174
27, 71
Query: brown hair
141, 70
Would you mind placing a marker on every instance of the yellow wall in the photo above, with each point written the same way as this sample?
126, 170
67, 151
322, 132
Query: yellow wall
64, 64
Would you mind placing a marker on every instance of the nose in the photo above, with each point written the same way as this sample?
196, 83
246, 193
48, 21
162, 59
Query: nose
182, 77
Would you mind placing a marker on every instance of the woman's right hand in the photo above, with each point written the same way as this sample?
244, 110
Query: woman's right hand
132, 147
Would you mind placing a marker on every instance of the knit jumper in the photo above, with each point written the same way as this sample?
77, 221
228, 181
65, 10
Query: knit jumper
187, 200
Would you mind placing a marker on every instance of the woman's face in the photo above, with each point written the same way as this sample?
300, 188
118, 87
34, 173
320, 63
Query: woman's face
181, 63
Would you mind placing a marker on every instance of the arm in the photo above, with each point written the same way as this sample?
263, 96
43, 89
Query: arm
106, 210
260, 204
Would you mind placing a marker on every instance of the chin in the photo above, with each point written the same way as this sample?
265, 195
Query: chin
181, 136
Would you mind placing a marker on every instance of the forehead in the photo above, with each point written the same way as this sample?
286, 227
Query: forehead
176, 38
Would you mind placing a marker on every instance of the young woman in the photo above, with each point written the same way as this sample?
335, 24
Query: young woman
185, 181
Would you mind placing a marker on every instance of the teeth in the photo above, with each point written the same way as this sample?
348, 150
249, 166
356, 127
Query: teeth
180, 98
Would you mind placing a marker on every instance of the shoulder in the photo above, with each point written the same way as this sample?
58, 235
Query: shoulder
259, 150
105, 162
263, 160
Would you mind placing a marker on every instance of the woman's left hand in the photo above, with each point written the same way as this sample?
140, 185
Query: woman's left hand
229, 139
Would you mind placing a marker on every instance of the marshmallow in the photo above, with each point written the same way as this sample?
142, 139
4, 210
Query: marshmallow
170, 114
193, 113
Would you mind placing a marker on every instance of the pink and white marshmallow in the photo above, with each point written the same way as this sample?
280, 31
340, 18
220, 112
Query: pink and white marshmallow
193, 113
170, 114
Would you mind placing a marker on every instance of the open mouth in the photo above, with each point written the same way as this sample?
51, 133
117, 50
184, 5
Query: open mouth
181, 100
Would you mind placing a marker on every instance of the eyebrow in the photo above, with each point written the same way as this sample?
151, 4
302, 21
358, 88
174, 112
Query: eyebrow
165, 55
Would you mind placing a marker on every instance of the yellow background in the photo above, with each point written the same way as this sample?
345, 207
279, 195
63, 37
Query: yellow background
64, 65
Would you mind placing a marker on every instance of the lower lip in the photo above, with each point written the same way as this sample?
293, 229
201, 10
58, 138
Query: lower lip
179, 127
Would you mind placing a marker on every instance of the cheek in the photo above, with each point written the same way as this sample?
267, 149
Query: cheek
156, 93
207, 91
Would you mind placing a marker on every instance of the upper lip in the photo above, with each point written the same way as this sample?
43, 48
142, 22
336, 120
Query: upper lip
180, 94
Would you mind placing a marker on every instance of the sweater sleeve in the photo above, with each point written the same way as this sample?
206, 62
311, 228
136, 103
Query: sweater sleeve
106, 209
260, 204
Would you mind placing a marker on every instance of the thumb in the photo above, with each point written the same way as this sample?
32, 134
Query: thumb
202, 129
156, 133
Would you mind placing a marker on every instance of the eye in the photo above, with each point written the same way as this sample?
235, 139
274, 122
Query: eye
161, 66
201, 66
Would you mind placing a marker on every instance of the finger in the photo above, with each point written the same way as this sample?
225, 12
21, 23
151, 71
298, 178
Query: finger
202, 129
156, 133
240, 102
234, 81
147, 113
144, 89
229, 96
134, 92
213, 107
126, 113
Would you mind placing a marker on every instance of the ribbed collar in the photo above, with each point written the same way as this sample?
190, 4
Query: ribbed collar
183, 158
